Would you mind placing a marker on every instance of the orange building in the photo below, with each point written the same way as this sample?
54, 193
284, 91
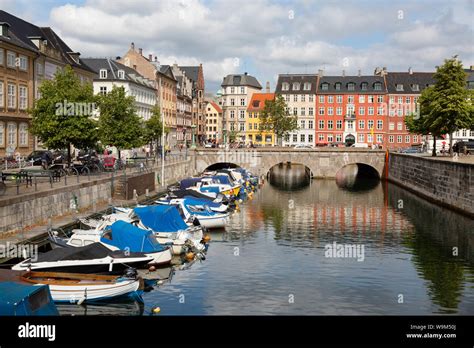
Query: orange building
253, 132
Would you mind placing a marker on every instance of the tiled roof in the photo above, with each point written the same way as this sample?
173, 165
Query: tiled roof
361, 85
296, 78
407, 83
191, 72
217, 107
257, 102
241, 80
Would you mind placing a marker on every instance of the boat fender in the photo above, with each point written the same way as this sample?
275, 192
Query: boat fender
156, 310
152, 269
189, 255
206, 238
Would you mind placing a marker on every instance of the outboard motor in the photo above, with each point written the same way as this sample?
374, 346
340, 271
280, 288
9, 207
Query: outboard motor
131, 273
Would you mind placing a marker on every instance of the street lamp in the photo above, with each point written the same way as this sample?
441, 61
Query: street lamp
193, 127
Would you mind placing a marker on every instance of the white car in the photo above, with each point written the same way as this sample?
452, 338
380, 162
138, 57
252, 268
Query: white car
301, 146
209, 145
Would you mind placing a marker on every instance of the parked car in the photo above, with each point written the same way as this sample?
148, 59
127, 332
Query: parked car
459, 146
41, 158
302, 146
410, 150
360, 145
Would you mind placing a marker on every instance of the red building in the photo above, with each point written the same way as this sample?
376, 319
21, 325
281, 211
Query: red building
351, 110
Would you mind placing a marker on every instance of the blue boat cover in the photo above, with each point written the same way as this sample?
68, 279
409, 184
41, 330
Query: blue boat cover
223, 179
200, 201
161, 218
185, 183
126, 236
213, 189
22, 299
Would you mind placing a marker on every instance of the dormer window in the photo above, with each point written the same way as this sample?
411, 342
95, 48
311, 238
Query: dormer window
307, 86
121, 74
256, 103
285, 86
324, 86
4, 28
415, 87
377, 86
296, 86
337, 86
351, 86
399, 87
364, 86
103, 73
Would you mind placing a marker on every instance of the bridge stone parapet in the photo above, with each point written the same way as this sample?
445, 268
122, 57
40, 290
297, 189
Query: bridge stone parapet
323, 163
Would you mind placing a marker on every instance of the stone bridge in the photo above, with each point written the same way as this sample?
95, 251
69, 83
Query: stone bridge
323, 163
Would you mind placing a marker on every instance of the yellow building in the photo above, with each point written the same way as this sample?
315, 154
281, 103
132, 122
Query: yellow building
252, 127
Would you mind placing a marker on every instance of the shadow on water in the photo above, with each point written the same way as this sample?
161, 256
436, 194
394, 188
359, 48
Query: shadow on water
117, 308
357, 177
289, 176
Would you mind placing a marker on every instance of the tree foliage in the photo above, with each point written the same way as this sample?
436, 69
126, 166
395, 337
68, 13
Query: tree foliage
275, 118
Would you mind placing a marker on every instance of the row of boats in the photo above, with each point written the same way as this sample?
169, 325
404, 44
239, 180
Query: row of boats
120, 254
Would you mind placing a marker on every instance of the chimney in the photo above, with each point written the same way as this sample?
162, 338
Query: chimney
410, 71
358, 73
245, 74
384, 71
132, 46
140, 51
343, 73
377, 71
471, 67
268, 87
156, 59
118, 58
320, 72
134, 67
150, 57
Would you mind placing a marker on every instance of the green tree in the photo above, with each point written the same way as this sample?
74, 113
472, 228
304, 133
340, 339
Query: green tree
61, 117
275, 118
233, 135
154, 128
119, 124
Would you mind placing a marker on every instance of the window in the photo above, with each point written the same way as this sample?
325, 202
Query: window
303, 97
370, 124
400, 100
337, 86
350, 99
321, 111
11, 134
330, 99
379, 138
364, 86
287, 97
320, 137
391, 138
103, 73
350, 125
303, 124
380, 99
361, 124
391, 126
295, 111
242, 101
242, 90
23, 134
232, 90
310, 111
351, 86
399, 87
321, 124
399, 138
2, 134
307, 86
285, 86
302, 138
338, 138
232, 126
339, 124
400, 111
310, 124
330, 111
296, 86
339, 110
11, 96
415, 87
23, 63
11, 56
242, 127
310, 138
415, 138
379, 124
392, 99
1, 95
361, 98
407, 138
295, 138
303, 111
295, 97
311, 98
370, 138
407, 100
330, 124
330, 138
232, 102
370, 99
242, 114
103, 90
377, 86
324, 86
371, 110
399, 126
232, 114
339, 99
361, 110
23, 94
2, 53
361, 138
321, 98
380, 110
121, 74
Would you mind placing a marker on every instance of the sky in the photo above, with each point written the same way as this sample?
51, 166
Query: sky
263, 37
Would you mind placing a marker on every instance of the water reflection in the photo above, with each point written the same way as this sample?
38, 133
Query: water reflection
124, 308
289, 176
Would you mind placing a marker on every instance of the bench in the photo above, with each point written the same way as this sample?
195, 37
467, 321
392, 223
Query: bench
53, 175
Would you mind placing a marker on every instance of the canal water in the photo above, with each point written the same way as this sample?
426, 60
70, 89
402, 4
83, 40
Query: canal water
409, 257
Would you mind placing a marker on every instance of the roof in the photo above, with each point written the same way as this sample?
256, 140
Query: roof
191, 71
301, 78
215, 106
22, 31
241, 80
167, 71
344, 82
112, 67
408, 81
257, 102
